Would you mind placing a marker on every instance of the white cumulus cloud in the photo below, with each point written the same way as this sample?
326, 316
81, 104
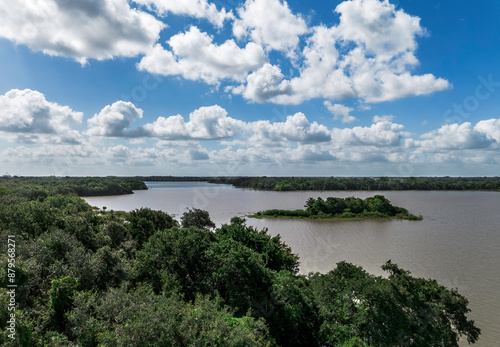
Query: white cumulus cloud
379, 27
296, 128
489, 127
458, 137
31, 117
205, 123
115, 120
369, 55
340, 112
379, 134
270, 23
264, 84
194, 56
211, 122
192, 8
80, 29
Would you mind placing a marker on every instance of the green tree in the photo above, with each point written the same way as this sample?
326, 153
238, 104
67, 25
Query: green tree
138, 317
117, 233
109, 268
61, 299
439, 314
197, 218
54, 255
275, 253
239, 275
144, 222
397, 311
291, 311
176, 256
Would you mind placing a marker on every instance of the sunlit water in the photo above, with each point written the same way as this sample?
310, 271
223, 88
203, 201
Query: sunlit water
457, 242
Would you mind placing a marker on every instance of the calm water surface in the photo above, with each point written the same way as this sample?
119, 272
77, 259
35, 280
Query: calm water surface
457, 243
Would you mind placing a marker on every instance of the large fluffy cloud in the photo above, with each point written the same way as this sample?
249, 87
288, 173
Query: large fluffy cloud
378, 27
380, 134
296, 128
168, 128
28, 115
264, 84
369, 55
194, 56
80, 29
490, 128
115, 120
459, 136
205, 123
270, 23
193, 8
212, 123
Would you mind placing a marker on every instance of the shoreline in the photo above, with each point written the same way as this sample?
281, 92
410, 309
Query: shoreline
337, 219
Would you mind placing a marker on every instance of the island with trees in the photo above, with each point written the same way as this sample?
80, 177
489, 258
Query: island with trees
333, 208
87, 277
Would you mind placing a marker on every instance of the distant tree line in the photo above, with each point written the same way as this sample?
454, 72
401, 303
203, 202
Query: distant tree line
40, 187
362, 183
343, 183
332, 207
89, 277
173, 178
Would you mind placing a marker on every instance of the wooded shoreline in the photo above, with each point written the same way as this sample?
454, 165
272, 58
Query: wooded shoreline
344, 183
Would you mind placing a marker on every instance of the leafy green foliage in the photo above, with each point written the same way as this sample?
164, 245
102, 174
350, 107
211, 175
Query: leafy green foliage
398, 311
54, 255
99, 278
144, 222
138, 317
292, 313
275, 254
61, 298
110, 268
177, 255
197, 218
238, 275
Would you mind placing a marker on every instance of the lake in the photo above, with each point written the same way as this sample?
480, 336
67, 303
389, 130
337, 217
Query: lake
457, 243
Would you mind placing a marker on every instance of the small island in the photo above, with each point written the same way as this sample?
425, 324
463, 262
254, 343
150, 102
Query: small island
343, 208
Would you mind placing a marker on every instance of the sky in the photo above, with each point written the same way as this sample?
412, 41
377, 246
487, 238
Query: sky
254, 87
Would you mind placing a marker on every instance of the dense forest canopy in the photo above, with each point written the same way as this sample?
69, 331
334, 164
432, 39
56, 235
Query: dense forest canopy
108, 278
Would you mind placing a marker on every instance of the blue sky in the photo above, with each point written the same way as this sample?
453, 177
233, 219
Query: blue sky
255, 87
